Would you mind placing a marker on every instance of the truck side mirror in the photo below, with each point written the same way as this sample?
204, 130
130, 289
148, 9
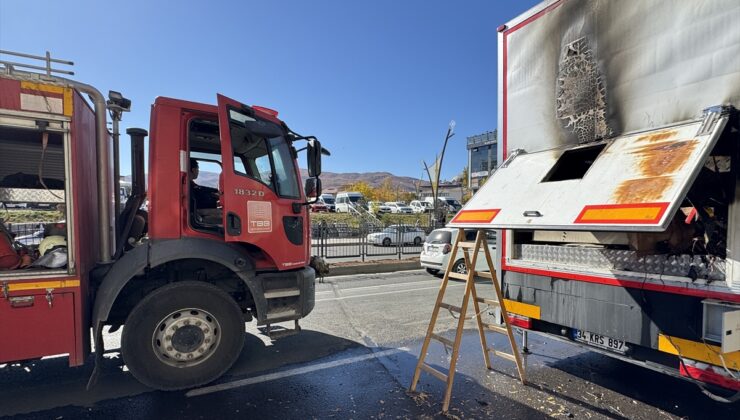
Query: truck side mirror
313, 153
313, 188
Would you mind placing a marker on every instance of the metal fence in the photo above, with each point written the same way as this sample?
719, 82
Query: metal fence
339, 240
29, 234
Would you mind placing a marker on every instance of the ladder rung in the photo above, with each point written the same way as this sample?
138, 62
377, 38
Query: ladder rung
496, 328
463, 244
489, 301
443, 340
434, 372
458, 276
449, 307
508, 356
484, 274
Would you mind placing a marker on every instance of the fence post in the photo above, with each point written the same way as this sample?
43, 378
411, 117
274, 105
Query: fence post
363, 241
399, 240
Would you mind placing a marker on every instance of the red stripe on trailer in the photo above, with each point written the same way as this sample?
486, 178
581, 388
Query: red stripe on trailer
520, 321
708, 375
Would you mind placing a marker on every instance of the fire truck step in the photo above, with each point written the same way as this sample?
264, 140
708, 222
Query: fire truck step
281, 293
282, 332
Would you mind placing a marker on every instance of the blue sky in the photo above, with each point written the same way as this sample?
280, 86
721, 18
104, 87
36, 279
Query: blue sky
376, 81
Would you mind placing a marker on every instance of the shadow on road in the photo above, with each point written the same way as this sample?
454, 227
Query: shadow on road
672, 395
348, 380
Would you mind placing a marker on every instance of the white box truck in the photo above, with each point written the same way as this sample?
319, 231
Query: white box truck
618, 196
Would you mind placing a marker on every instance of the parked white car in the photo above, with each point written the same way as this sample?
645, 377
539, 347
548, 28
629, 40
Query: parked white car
436, 251
329, 201
348, 200
395, 233
420, 206
453, 206
378, 207
397, 207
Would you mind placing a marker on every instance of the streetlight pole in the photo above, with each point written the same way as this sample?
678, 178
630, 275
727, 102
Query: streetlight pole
435, 189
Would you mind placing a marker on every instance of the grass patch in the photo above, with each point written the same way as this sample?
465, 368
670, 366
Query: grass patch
385, 219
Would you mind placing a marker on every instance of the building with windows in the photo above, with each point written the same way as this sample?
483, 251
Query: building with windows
446, 189
482, 157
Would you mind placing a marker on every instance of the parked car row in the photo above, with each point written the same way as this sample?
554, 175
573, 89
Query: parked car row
345, 202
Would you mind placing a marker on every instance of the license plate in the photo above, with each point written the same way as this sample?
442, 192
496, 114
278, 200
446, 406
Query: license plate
600, 341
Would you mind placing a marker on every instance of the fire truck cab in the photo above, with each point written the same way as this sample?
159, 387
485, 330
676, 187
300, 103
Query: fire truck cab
213, 235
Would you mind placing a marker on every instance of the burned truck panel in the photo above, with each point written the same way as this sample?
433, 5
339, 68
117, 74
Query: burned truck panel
618, 195
648, 65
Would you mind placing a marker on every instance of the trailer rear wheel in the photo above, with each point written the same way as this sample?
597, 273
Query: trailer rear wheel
182, 335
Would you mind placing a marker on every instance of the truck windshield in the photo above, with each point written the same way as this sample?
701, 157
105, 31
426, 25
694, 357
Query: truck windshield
328, 200
262, 152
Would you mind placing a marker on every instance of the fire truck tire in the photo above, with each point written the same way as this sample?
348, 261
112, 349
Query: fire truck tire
182, 335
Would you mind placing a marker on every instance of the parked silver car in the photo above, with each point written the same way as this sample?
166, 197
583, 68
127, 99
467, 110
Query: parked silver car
395, 233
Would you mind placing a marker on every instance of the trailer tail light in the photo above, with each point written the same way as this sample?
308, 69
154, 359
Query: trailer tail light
447, 248
264, 110
707, 373
520, 321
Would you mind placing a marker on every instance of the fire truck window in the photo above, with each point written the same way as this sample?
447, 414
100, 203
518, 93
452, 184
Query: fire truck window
251, 158
284, 169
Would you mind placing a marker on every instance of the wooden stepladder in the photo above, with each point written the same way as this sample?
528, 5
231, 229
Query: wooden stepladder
470, 260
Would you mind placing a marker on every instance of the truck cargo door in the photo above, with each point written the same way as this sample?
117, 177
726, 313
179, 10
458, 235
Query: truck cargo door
635, 182
261, 197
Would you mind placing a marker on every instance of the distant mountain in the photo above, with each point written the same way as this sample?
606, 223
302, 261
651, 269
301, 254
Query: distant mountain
330, 181
338, 181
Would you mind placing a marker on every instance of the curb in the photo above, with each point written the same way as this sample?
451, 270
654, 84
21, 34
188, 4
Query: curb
373, 268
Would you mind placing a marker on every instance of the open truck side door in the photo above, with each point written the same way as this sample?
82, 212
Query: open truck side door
635, 182
261, 195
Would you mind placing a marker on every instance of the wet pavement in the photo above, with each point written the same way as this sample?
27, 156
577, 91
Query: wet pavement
354, 359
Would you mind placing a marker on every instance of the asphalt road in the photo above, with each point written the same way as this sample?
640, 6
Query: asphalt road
354, 359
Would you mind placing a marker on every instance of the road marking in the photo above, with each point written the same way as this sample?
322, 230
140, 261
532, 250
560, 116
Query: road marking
366, 275
291, 372
386, 293
392, 284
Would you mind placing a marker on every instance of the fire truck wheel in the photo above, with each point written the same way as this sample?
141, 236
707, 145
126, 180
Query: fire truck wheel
182, 335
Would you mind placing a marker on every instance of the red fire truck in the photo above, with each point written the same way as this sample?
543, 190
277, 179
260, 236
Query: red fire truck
182, 265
